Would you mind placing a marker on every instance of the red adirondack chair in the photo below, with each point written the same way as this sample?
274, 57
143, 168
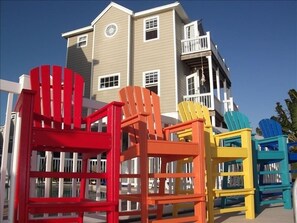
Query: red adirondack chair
51, 121
148, 139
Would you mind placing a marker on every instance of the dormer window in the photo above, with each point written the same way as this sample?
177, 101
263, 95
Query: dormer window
151, 28
82, 41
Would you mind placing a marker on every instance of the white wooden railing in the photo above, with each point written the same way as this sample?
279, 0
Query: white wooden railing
194, 45
204, 99
9, 89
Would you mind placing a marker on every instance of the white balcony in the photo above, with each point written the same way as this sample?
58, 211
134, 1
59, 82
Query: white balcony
202, 44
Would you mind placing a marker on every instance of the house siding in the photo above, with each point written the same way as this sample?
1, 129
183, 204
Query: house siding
79, 59
157, 55
110, 53
182, 69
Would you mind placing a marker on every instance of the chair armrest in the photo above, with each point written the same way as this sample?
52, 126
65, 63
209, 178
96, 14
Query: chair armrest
25, 98
232, 134
101, 113
190, 129
181, 127
273, 139
134, 119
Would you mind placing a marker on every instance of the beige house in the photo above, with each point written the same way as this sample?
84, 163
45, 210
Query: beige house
160, 49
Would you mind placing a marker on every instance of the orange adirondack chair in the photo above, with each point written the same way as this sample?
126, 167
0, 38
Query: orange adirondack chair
148, 139
51, 122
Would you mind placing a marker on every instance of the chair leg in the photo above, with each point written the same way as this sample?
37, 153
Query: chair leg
248, 183
199, 187
177, 186
143, 165
161, 188
211, 166
287, 197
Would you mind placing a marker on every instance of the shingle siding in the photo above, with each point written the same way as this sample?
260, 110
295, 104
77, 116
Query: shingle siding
80, 59
156, 54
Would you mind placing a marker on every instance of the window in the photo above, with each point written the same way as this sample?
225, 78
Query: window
109, 81
151, 81
111, 30
151, 28
82, 41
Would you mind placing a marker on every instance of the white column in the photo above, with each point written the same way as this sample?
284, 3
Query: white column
225, 96
218, 84
213, 120
211, 81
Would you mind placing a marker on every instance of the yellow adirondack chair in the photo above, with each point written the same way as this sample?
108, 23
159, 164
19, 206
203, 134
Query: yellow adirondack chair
215, 155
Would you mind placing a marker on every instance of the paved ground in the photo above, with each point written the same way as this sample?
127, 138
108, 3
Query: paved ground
272, 214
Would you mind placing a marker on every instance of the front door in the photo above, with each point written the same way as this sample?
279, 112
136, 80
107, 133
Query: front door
191, 30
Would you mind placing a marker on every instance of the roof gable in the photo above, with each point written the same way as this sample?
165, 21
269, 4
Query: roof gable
112, 4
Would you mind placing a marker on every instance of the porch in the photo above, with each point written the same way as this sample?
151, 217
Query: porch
209, 83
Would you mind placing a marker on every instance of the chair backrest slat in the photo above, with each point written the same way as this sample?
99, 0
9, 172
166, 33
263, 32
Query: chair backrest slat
35, 85
77, 100
46, 97
67, 98
57, 95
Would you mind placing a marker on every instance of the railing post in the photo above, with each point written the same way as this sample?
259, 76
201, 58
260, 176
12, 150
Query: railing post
208, 41
24, 82
3, 167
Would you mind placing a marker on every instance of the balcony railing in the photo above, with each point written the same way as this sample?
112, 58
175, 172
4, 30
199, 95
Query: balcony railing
200, 44
204, 99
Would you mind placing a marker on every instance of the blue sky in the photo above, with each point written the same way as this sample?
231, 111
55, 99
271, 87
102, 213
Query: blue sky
258, 40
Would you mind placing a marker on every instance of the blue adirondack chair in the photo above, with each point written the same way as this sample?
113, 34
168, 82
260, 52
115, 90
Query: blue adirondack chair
272, 128
266, 152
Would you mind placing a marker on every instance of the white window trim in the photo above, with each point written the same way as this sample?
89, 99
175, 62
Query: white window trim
77, 41
109, 75
144, 28
114, 32
151, 71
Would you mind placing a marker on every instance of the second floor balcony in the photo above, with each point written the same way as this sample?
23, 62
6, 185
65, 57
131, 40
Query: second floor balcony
202, 44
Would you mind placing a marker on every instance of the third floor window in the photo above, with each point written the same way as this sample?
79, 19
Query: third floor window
151, 28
